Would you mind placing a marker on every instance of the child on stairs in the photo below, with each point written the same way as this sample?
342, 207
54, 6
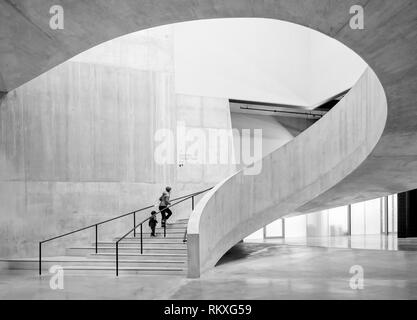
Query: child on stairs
152, 223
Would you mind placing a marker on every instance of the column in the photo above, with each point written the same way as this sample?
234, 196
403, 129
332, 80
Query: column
407, 214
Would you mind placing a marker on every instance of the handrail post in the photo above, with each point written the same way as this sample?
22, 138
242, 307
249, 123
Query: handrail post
192, 203
141, 240
134, 225
40, 258
117, 259
96, 237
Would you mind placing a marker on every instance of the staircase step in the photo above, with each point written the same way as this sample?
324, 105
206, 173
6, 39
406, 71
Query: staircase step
176, 223
149, 240
181, 225
141, 257
125, 270
77, 251
160, 232
180, 222
161, 229
159, 235
33, 263
146, 245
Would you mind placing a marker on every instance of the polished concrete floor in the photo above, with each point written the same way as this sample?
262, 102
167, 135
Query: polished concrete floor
248, 271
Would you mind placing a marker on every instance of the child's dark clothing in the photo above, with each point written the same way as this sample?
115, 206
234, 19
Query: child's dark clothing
152, 223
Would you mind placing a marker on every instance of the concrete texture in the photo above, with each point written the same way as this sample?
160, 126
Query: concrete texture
77, 145
292, 175
387, 44
248, 271
274, 134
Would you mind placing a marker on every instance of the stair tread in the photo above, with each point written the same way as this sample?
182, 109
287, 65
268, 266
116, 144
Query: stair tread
159, 231
127, 248
138, 242
123, 268
137, 239
78, 260
144, 254
57, 258
148, 236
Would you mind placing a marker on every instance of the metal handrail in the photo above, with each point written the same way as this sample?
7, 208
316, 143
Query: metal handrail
191, 196
95, 225
184, 239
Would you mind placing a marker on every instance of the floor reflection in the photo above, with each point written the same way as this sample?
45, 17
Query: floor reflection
369, 242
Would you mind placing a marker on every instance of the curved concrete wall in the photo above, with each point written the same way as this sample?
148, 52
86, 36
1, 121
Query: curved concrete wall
387, 44
292, 175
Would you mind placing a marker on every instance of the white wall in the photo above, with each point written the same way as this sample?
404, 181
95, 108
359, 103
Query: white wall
274, 134
150, 50
333, 68
262, 60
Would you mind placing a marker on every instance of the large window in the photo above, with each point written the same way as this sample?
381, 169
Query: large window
318, 224
366, 218
338, 221
296, 227
275, 229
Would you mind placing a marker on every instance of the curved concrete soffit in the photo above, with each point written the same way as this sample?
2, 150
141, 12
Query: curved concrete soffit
291, 176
